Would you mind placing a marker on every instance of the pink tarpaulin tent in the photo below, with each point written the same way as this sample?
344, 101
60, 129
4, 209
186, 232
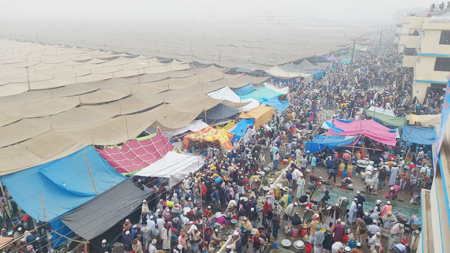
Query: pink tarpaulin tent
137, 154
370, 128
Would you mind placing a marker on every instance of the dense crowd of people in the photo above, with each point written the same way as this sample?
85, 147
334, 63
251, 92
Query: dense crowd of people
232, 194
263, 190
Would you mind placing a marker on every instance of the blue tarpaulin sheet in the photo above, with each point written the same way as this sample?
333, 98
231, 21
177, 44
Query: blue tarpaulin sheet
64, 184
332, 142
241, 128
244, 90
275, 103
61, 228
317, 74
422, 136
261, 93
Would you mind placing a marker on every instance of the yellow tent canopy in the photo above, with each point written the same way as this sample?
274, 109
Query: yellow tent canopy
261, 114
424, 120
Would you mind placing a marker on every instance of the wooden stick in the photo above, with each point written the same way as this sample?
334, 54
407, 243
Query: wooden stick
90, 174
6, 201
407, 140
43, 207
364, 148
128, 138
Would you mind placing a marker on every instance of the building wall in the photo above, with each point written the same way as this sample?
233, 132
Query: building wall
420, 90
409, 61
430, 42
412, 41
424, 70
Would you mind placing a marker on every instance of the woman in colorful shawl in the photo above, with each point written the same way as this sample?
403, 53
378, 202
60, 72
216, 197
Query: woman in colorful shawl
389, 220
396, 235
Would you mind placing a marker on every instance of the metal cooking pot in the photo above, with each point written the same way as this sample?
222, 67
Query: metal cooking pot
286, 243
299, 246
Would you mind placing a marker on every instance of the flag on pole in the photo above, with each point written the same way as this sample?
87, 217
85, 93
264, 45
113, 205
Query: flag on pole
332, 58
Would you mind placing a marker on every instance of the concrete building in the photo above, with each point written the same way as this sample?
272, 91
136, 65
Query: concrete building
435, 206
424, 42
432, 64
409, 40
398, 30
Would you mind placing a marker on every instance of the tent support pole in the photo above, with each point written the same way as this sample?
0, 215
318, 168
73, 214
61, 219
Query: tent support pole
43, 207
407, 140
90, 174
7, 203
128, 138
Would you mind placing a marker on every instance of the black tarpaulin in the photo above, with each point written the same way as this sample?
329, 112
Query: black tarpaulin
102, 212
219, 112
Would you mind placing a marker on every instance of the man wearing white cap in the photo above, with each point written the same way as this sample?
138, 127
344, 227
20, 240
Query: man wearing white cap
353, 210
126, 241
145, 208
394, 174
360, 198
373, 228
215, 237
357, 249
237, 242
337, 247
145, 232
376, 239
152, 247
105, 247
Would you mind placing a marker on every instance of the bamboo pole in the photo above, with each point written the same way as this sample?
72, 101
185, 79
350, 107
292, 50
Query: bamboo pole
90, 174
6, 200
128, 138
407, 140
43, 207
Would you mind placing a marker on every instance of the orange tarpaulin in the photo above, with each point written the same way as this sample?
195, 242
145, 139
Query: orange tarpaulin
261, 114
210, 134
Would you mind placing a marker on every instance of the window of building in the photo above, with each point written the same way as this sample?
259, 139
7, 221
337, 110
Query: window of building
410, 51
397, 35
445, 38
442, 64
414, 32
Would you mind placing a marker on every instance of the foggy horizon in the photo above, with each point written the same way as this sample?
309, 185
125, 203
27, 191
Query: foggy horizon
202, 10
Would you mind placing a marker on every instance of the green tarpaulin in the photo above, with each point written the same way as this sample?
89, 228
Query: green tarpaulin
387, 120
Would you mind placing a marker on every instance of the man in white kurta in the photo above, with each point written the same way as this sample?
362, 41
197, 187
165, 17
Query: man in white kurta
352, 211
300, 187
393, 176
166, 235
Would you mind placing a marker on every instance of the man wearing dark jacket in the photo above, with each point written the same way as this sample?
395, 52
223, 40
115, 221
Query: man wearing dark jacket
328, 241
296, 219
126, 241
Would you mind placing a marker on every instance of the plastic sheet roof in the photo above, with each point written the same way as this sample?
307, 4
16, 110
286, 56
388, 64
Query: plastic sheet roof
419, 135
90, 220
210, 134
369, 128
80, 96
173, 166
63, 184
137, 154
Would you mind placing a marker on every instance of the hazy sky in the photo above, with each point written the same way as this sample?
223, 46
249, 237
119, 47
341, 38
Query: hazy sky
200, 10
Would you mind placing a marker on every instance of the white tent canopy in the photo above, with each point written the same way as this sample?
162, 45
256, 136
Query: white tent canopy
173, 166
381, 110
281, 73
194, 126
283, 91
227, 94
